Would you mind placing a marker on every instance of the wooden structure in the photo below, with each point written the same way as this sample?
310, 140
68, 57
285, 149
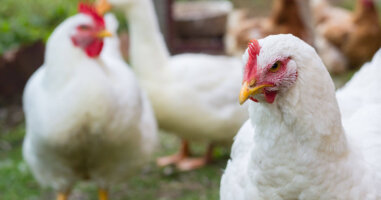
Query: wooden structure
177, 38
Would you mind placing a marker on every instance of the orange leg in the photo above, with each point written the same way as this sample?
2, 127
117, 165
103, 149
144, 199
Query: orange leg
188, 164
102, 194
63, 196
173, 159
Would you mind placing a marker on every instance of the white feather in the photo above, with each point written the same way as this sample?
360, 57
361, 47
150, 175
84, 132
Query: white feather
297, 148
85, 118
193, 95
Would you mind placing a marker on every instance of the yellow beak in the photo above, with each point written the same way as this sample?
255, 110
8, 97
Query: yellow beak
103, 34
102, 6
247, 91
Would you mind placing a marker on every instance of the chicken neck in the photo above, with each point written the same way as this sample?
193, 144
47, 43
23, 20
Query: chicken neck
149, 54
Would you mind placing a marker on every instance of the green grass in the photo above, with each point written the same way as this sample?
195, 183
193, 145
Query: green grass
17, 183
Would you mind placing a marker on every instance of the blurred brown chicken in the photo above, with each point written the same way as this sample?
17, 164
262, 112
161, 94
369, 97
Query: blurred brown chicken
287, 16
356, 36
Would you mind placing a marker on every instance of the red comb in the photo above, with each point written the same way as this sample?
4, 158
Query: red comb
251, 65
254, 48
90, 10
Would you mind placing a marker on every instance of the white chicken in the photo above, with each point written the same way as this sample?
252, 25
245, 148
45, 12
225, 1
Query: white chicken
294, 146
365, 82
193, 95
86, 117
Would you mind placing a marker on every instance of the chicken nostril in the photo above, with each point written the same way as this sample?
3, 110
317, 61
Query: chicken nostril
252, 83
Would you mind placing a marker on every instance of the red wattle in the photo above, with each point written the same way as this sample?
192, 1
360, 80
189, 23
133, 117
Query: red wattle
255, 100
270, 96
94, 49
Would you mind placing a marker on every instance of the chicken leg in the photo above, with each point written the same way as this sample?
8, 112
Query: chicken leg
187, 164
62, 195
172, 159
102, 194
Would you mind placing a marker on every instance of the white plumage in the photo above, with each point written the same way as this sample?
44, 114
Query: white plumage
86, 118
362, 88
193, 95
198, 99
297, 147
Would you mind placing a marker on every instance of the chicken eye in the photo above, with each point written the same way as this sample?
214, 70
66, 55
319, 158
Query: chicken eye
84, 27
275, 67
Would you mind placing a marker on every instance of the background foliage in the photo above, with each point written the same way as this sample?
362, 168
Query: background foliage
25, 21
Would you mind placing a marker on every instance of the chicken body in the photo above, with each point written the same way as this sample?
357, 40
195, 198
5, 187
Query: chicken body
189, 92
298, 147
192, 94
86, 118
